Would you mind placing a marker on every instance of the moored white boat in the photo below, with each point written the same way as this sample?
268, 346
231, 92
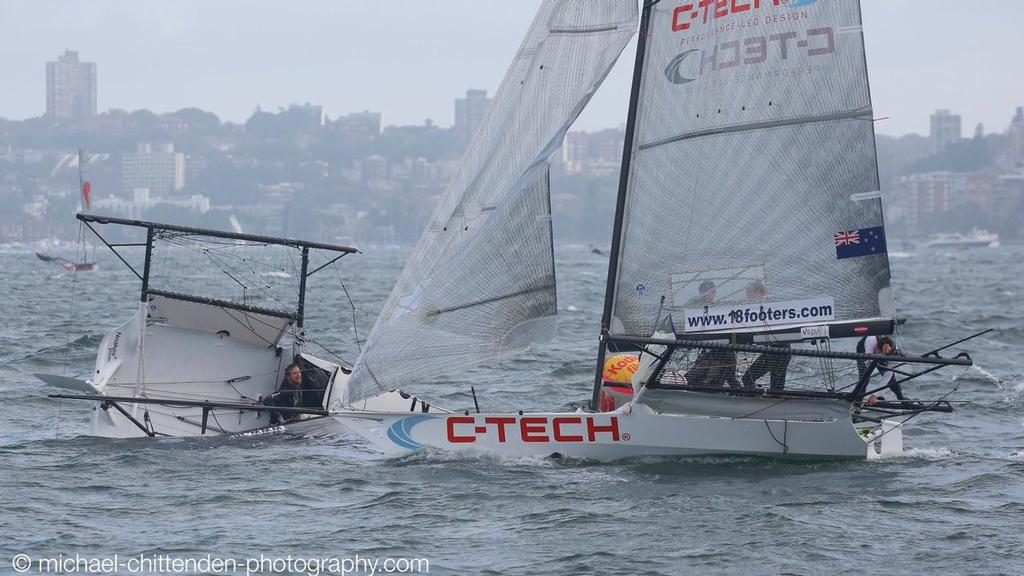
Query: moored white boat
974, 239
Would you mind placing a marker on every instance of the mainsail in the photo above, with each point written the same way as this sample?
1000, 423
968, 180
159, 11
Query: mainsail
752, 166
480, 282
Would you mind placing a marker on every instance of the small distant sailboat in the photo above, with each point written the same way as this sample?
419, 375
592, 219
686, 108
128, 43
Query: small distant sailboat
68, 265
748, 239
86, 190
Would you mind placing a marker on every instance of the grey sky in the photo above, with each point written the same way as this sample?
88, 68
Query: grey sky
409, 59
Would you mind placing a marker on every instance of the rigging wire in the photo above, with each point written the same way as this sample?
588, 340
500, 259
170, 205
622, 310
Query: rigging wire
239, 268
71, 310
919, 412
352, 305
251, 318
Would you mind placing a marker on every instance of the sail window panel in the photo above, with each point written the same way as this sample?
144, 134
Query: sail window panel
766, 64
765, 204
480, 281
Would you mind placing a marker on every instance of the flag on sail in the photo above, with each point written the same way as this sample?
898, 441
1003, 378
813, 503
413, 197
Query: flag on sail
861, 242
86, 189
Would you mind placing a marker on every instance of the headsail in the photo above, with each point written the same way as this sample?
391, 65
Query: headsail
480, 283
752, 166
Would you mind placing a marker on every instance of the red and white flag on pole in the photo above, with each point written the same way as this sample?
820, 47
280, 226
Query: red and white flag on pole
85, 194
86, 187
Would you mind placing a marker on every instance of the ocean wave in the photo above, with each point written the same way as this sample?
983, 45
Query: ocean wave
930, 454
56, 354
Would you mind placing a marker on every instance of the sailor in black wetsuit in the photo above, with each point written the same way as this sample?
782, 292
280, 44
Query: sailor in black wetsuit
292, 394
774, 364
714, 367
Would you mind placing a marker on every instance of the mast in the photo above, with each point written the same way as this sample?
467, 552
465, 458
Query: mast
620, 202
301, 310
81, 180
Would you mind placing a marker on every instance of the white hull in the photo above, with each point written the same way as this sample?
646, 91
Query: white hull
184, 351
170, 421
634, 430
120, 427
963, 244
976, 239
187, 422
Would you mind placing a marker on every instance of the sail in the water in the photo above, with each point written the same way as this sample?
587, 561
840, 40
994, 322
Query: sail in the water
751, 196
480, 283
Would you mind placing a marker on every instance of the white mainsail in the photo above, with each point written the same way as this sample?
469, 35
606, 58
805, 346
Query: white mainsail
480, 283
752, 162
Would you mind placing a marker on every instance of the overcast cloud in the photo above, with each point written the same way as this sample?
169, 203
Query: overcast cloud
410, 59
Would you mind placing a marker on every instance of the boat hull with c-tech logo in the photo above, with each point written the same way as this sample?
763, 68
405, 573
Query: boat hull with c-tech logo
631, 431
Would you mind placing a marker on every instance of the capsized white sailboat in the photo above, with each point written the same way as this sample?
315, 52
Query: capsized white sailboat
748, 239
213, 334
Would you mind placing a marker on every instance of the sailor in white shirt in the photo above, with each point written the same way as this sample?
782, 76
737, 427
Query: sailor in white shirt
879, 345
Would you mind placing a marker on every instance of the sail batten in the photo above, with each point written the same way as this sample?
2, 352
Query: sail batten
861, 113
583, 29
527, 291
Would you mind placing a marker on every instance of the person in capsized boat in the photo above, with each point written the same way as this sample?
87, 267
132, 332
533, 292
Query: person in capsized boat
712, 368
292, 393
774, 364
879, 345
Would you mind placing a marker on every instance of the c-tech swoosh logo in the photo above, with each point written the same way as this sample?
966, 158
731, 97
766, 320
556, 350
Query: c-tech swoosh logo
799, 3
400, 431
672, 71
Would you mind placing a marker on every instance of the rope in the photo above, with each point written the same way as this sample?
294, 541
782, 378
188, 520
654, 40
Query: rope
785, 433
71, 300
919, 412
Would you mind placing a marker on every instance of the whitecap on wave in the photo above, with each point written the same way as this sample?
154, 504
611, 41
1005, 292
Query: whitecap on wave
276, 274
922, 453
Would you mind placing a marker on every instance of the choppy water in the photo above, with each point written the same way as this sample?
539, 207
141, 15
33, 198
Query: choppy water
954, 504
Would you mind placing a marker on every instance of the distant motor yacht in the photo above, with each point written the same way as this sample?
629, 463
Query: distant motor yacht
974, 239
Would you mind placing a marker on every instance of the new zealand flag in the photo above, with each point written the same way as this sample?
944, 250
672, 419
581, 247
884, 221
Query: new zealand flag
863, 242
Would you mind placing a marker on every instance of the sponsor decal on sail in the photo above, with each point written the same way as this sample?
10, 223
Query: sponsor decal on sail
725, 318
692, 63
689, 15
112, 349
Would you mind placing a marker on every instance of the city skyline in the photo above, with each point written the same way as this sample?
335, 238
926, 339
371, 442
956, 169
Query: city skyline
190, 54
